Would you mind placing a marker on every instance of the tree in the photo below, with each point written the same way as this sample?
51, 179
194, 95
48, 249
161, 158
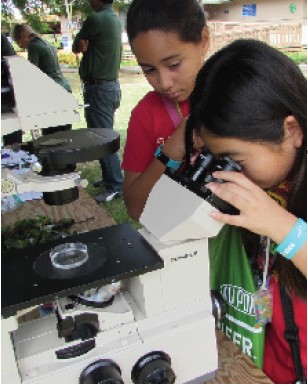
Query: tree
56, 7
7, 8
33, 10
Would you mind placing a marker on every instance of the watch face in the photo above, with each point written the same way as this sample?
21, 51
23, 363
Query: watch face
163, 158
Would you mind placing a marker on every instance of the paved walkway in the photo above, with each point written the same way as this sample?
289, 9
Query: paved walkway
131, 69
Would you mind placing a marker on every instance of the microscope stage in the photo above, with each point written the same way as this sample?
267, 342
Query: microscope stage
124, 254
72, 146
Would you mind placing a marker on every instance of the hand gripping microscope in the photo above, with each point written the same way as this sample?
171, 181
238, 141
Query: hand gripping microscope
156, 325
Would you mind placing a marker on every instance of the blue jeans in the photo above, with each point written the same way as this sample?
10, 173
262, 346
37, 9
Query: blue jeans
104, 98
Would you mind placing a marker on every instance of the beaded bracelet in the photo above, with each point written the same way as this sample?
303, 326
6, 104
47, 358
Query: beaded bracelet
294, 240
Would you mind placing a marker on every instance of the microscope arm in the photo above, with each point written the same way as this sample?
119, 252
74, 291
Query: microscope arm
39, 101
31, 182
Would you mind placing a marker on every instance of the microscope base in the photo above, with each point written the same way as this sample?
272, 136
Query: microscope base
182, 334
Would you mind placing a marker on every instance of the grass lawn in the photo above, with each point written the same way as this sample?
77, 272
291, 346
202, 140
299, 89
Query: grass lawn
133, 87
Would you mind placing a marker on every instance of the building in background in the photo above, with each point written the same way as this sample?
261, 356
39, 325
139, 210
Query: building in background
280, 23
257, 11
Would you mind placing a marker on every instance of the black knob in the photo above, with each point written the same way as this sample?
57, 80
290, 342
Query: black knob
230, 165
218, 305
153, 368
101, 372
202, 166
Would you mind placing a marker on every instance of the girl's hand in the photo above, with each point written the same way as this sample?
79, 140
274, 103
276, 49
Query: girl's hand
259, 213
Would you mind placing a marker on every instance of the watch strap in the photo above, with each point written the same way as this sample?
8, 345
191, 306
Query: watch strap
168, 162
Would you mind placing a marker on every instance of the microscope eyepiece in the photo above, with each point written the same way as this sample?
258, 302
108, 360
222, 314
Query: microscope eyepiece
202, 165
223, 164
201, 172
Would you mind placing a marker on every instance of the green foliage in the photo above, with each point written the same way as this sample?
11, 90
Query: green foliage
55, 7
82, 6
36, 6
57, 44
122, 4
129, 63
5, 23
69, 58
27, 232
299, 57
117, 210
16, 47
7, 10
34, 20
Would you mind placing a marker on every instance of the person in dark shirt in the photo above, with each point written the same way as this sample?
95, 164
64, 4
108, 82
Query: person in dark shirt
6, 47
100, 42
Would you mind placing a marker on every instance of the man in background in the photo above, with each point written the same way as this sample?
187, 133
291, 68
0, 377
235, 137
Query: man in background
100, 42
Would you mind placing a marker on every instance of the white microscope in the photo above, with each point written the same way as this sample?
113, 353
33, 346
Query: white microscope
31, 100
159, 326
137, 309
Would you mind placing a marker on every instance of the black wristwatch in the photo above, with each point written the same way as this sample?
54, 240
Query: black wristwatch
171, 163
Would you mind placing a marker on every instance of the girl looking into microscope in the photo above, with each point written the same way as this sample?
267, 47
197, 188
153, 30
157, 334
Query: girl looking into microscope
169, 39
249, 103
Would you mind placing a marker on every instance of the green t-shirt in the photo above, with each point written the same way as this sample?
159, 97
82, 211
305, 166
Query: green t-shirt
103, 57
6, 47
44, 56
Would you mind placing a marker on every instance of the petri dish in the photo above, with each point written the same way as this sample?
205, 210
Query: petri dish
69, 255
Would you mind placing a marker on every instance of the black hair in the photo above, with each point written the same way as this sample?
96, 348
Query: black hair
245, 91
186, 17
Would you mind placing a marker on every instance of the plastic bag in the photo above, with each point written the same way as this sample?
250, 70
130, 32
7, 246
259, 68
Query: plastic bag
11, 203
232, 276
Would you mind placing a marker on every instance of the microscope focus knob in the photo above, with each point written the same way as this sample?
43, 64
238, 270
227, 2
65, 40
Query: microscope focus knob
101, 372
218, 305
153, 368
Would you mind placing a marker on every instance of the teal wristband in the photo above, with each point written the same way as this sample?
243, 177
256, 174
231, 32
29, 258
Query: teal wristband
294, 240
171, 163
